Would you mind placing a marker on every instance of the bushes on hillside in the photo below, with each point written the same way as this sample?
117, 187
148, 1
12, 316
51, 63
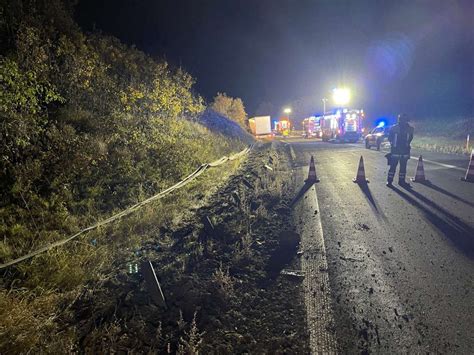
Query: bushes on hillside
89, 125
230, 107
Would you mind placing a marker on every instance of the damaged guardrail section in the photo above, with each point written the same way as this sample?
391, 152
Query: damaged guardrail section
131, 209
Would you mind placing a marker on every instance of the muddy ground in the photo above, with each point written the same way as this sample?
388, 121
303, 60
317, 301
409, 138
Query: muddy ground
220, 272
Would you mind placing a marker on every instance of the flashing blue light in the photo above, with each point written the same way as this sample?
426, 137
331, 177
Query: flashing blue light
381, 122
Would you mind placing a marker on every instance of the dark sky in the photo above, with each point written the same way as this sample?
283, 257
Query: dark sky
415, 56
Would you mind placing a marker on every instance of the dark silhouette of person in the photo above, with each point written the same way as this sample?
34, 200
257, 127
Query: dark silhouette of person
400, 137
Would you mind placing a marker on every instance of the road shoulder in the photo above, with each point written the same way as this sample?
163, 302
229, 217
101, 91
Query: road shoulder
317, 293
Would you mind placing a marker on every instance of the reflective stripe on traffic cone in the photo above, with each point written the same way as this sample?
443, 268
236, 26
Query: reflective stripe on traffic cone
312, 172
360, 177
470, 170
420, 172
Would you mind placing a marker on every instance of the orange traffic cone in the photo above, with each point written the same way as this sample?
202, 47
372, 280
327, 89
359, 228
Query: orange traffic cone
470, 170
312, 172
360, 177
420, 172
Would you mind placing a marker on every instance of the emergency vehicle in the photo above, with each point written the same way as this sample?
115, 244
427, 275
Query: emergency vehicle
312, 127
282, 127
343, 125
377, 136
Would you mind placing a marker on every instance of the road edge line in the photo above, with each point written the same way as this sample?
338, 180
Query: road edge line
317, 292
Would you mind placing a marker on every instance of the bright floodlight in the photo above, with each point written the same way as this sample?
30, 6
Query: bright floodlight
287, 110
341, 96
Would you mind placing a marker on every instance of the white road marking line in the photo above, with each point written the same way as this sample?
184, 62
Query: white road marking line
430, 162
440, 164
319, 313
413, 158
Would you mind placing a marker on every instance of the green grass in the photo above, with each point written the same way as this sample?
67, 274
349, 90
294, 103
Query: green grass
34, 308
89, 127
442, 144
444, 135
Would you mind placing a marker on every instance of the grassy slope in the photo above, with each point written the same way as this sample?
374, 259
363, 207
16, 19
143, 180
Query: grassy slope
36, 295
222, 286
89, 127
446, 136
37, 317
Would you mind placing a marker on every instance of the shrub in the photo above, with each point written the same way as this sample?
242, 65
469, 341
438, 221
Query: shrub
89, 126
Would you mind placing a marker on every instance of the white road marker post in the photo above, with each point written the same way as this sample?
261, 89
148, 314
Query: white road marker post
153, 285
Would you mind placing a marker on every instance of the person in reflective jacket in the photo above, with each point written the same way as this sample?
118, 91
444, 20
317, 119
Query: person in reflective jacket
400, 137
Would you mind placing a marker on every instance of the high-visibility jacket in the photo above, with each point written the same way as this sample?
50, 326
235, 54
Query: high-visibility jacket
400, 138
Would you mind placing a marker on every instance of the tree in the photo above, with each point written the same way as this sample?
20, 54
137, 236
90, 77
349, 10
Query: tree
232, 108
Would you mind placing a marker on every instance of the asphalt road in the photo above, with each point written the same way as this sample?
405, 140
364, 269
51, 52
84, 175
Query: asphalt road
400, 261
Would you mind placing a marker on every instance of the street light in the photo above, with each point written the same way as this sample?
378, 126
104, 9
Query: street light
341, 96
324, 100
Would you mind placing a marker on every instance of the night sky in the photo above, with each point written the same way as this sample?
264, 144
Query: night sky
412, 56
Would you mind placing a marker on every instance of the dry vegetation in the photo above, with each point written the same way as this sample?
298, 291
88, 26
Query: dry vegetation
221, 284
444, 135
88, 127
35, 312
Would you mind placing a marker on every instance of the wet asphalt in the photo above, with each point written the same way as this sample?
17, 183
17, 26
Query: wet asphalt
401, 261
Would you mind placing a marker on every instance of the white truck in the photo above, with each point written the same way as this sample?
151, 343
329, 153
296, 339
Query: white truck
261, 126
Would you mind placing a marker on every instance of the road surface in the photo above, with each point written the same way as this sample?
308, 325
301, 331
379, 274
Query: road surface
400, 261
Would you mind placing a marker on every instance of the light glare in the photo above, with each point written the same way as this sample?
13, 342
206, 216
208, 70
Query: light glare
341, 96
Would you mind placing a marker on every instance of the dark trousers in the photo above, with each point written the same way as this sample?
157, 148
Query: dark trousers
394, 159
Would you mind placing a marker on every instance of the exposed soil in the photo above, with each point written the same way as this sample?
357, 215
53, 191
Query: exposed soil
220, 273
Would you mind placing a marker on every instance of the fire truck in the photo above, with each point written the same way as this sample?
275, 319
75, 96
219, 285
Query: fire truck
342, 125
282, 127
312, 127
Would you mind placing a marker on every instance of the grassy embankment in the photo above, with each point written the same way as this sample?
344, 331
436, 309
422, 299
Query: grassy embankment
444, 136
222, 284
89, 127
